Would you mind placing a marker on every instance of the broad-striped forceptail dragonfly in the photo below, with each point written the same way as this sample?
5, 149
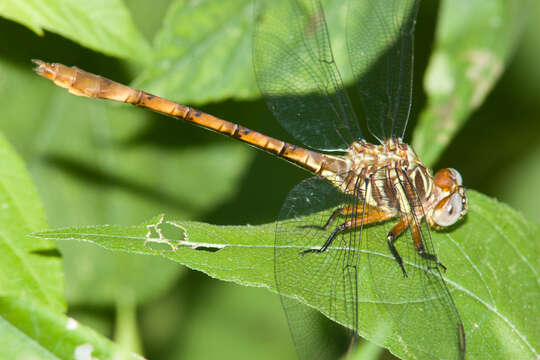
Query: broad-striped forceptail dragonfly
327, 252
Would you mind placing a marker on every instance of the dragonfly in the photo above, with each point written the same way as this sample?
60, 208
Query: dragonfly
329, 253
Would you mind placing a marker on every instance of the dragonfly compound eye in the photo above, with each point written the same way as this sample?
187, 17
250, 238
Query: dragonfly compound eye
449, 210
448, 179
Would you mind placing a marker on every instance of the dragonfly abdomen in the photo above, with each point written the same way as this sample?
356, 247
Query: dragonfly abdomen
83, 83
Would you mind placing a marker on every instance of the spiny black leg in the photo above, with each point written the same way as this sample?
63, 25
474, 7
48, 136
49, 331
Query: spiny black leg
332, 218
391, 238
328, 222
328, 241
432, 257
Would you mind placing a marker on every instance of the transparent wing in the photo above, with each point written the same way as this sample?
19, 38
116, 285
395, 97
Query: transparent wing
327, 281
380, 39
420, 304
297, 75
358, 268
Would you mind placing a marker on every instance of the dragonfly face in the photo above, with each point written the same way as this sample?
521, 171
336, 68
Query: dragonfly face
452, 202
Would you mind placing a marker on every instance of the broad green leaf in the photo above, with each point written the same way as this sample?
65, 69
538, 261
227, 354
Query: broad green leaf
101, 25
30, 268
204, 51
95, 163
148, 15
29, 330
492, 260
474, 41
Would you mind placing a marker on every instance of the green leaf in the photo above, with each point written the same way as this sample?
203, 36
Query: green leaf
101, 25
490, 290
31, 281
29, 267
97, 163
203, 51
474, 41
126, 332
148, 15
32, 331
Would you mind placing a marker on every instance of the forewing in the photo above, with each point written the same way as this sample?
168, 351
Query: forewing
421, 304
328, 280
380, 39
297, 75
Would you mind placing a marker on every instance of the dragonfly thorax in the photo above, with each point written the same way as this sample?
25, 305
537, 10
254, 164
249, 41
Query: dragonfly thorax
392, 152
392, 178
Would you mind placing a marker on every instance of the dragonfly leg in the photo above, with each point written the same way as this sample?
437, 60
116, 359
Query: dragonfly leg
343, 211
335, 213
420, 249
339, 211
392, 236
375, 217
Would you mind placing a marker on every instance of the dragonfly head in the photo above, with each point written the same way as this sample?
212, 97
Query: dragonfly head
452, 200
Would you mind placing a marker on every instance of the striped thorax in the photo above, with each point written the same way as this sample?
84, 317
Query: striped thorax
392, 178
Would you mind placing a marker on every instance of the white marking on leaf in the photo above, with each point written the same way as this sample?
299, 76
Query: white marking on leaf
439, 79
84, 352
483, 70
72, 324
174, 244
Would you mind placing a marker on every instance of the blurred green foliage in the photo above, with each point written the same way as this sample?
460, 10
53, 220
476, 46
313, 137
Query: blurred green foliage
96, 163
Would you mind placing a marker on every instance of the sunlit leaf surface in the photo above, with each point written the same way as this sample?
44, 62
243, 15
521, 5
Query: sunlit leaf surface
203, 51
29, 267
482, 282
101, 25
32, 323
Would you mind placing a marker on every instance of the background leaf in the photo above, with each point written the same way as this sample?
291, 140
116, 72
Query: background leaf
32, 330
31, 268
474, 41
31, 284
481, 282
203, 51
101, 25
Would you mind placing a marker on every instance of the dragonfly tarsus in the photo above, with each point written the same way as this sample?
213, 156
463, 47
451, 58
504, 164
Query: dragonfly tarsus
434, 259
419, 246
420, 249
328, 241
391, 239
